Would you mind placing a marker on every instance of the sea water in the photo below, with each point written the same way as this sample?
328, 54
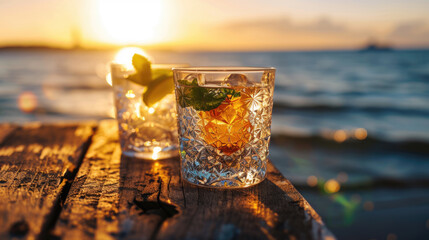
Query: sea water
321, 101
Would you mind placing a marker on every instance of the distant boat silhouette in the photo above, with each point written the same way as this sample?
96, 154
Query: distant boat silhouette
374, 46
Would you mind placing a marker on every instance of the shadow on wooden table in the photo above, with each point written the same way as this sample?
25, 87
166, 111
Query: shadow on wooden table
163, 205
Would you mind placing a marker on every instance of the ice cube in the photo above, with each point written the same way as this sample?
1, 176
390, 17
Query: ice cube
191, 77
236, 79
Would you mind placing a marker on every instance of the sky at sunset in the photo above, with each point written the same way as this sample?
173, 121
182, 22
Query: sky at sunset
216, 24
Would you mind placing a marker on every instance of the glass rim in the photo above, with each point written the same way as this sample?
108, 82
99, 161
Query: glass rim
154, 65
223, 69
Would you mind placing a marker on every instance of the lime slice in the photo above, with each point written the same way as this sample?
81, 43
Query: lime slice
139, 79
140, 63
158, 89
143, 75
158, 72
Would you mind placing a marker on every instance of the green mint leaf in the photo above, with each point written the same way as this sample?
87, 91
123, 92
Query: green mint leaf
203, 99
187, 83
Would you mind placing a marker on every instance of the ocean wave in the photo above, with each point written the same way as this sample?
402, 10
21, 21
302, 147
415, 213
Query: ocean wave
281, 106
77, 87
374, 183
369, 143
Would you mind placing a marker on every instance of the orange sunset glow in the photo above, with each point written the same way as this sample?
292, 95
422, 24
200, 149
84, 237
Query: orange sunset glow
248, 119
215, 25
130, 21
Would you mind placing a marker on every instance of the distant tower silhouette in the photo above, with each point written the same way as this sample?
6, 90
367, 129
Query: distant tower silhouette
76, 38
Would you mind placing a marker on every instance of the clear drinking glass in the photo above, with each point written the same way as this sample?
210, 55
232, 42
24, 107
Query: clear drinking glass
224, 120
144, 132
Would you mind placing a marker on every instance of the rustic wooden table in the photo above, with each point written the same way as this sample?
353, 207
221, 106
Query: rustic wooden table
69, 181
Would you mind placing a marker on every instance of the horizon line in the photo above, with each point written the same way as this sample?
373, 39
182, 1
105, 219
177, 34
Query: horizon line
178, 49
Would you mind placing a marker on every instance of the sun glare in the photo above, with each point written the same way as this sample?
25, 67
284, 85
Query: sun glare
130, 21
125, 55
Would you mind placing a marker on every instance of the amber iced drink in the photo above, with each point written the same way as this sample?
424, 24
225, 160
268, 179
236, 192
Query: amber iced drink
224, 120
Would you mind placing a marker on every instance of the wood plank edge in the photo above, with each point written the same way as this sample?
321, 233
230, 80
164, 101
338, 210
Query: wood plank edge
66, 183
320, 231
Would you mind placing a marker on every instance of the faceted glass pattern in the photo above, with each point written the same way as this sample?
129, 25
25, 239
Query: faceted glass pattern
144, 132
227, 146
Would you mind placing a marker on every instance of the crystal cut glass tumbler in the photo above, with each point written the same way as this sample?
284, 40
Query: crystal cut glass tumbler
144, 132
224, 124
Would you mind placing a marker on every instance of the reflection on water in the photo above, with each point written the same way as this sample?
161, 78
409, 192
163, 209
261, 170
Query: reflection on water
332, 186
361, 133
27, 102
340, 136
312, 181
354, 123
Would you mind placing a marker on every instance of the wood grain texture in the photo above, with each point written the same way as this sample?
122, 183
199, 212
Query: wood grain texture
118, 197
35, 163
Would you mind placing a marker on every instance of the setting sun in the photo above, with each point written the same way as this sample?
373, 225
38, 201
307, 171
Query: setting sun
130, 21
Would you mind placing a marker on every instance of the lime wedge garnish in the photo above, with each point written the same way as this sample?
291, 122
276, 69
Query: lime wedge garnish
158, 89
143, 74
157, 72
158, 82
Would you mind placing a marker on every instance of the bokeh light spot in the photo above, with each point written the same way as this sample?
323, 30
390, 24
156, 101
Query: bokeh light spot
332, 186
312, 181
27, 102
340, 136
130, 94
361, 133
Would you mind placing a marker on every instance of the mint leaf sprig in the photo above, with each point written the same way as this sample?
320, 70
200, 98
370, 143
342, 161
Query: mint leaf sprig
159, 82
201, 98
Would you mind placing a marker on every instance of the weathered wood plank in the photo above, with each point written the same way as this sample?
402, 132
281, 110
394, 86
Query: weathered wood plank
5, 130
270, 210
35, 162
119, 197
95, 190
100, 203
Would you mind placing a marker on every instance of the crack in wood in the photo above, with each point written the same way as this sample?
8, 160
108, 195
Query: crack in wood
33, 163
67, 180
150, 200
